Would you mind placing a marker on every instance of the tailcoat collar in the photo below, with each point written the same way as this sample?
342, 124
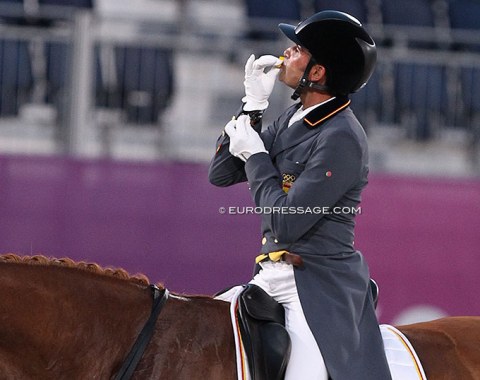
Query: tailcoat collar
320, 114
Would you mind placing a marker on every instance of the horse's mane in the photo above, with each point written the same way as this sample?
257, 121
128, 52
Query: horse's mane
119, 273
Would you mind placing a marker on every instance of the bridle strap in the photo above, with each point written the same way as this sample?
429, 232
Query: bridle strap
130, 364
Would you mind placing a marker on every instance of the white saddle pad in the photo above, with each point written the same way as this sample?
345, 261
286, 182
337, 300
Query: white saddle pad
402, 359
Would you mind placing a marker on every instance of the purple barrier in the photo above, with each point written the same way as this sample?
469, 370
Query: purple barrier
421, 238
164, 220
159, 219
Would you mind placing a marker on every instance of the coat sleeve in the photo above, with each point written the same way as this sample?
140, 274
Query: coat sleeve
225, 169
333, 167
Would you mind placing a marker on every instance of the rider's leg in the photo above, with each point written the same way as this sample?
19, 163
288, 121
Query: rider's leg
306, 361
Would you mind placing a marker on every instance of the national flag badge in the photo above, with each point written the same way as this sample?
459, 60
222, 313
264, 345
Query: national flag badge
287, 181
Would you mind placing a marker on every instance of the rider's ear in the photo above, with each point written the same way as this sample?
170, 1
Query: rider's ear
318, 74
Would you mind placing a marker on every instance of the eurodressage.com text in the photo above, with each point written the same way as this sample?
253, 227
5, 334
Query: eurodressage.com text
290, 210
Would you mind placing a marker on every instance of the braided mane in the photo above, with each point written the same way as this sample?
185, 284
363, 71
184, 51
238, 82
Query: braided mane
139, 279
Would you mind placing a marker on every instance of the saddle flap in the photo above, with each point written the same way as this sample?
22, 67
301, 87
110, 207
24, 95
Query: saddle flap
265, 340
259, 305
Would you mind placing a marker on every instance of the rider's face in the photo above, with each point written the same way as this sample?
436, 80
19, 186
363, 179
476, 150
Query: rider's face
294, 65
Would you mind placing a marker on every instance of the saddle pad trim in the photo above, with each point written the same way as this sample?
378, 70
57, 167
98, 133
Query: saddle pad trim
409, 349
240, 349
231, 296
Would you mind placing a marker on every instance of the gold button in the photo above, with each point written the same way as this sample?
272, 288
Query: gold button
264, 240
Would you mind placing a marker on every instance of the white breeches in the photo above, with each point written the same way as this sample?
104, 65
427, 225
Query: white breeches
306, 361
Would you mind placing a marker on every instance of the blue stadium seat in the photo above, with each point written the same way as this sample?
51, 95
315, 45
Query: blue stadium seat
407, 12
107, 93
57, 55
470, 78
15, 76
145, 80
276, 11
356, 8
465, 15
421, 92
367, 103
470, 98
12, 12
44, 18
68, 3
11, 3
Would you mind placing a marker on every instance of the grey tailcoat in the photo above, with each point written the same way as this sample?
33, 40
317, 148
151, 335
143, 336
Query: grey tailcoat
322, 161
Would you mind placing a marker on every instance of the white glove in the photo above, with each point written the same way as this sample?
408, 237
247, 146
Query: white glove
258, 84
244, 141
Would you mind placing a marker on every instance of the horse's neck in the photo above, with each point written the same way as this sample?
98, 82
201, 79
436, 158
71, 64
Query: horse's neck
65, 323
52, 312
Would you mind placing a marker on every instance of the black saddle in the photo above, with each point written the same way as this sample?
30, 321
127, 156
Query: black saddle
265, 339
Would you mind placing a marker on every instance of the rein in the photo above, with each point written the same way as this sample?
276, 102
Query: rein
130, 364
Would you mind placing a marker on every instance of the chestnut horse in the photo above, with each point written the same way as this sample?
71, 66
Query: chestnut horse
67, 320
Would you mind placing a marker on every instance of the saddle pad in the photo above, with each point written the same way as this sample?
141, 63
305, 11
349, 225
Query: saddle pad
231, 296
402, 359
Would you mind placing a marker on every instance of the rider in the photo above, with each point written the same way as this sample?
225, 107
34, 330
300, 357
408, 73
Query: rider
308, 170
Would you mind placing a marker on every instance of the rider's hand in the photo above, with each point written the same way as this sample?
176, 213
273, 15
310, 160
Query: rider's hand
258, 84
244, 141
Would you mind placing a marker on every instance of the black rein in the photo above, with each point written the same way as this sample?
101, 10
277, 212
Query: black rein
130, 364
